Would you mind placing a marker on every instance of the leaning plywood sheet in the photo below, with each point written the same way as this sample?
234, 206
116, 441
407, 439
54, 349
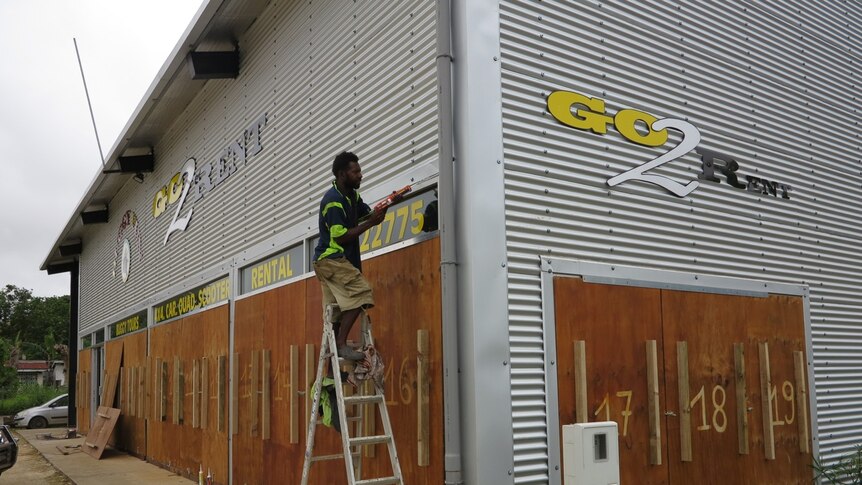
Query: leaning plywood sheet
100, 431
114, 358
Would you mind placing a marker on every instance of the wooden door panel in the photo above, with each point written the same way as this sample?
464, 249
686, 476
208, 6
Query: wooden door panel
725, 347
707, 325
710, 324
615, 323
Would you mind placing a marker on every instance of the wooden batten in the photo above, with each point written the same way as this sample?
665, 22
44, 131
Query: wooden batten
132, 390
163, 391
205, 392
196, 397
142, 381
310, 367
179, 392
149, 411
580, 361
266, 395
741, 398
685, 450
765, 401
255, 393
121, 385
423, 392
222, 387
653, 403
157, 389
294, 394
234, 395
369, 423
799, 371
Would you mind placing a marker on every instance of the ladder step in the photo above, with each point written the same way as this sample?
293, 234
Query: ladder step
339, 456
370, 440
363, 399
379, 481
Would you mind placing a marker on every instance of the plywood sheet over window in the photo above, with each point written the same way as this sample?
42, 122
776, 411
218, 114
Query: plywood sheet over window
173, 440
711, 342
131, 434
287, 322
84, 390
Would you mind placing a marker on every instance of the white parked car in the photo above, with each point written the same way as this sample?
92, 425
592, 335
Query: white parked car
55, 411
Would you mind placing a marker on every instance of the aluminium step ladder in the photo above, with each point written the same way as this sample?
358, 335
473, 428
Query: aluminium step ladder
351, 446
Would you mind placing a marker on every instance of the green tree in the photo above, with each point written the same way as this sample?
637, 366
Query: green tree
13, 300
8, 375
32, 318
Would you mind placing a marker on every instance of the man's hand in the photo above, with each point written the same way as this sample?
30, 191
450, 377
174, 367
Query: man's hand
376, 217
372, 219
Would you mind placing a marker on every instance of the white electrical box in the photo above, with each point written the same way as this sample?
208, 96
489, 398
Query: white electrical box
591, 454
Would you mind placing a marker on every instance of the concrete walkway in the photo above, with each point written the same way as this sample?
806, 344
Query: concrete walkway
115, 467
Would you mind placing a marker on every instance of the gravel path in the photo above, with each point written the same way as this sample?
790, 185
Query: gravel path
32, 468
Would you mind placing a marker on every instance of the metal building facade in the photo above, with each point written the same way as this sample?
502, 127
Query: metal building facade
315, 78
771, 85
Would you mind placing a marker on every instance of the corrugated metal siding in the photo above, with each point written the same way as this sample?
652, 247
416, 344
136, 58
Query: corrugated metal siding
774, 84
331, 75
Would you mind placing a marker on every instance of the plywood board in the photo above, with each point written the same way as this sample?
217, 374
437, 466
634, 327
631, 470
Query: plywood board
103, 426
84, 390
713, 325
131, 426
181, 447
615, 337
707, 379
288, 322
113, 360
248, 340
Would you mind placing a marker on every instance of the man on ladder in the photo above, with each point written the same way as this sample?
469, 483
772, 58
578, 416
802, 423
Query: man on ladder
343, 218
336, 258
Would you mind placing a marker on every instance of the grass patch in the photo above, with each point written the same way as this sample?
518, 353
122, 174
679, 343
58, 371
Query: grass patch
845, 471
27, 396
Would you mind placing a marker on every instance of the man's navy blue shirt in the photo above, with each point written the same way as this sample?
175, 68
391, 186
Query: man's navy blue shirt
337, 214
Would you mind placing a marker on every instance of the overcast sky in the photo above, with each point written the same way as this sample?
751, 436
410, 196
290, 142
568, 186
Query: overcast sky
48, 151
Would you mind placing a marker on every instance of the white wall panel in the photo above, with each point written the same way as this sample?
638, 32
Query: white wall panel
773, 84
331, 76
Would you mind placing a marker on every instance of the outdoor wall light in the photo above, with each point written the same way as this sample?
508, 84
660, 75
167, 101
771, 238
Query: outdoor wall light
94, 216
137, 163
71, 248
57, 268
214, 65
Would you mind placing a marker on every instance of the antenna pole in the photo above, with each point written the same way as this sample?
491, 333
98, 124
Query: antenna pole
89, 105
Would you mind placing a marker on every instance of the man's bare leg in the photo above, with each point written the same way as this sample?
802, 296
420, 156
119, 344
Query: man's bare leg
348, 318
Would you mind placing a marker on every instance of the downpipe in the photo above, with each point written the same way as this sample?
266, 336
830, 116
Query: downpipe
448, 249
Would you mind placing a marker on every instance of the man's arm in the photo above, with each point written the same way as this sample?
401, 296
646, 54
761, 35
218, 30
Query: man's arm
351, 235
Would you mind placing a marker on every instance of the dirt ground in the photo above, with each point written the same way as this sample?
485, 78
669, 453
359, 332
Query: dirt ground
32, 468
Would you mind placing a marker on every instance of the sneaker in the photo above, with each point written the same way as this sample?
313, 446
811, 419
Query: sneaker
347, 353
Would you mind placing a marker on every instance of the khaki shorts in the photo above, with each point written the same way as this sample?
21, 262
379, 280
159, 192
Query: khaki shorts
343, 284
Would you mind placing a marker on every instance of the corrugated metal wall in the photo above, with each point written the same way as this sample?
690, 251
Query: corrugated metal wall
331, 76
774, 84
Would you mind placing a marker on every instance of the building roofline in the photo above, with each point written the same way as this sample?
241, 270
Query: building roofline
216, 22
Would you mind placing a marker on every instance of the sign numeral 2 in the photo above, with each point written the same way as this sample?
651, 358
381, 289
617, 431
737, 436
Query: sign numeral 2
690, 140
